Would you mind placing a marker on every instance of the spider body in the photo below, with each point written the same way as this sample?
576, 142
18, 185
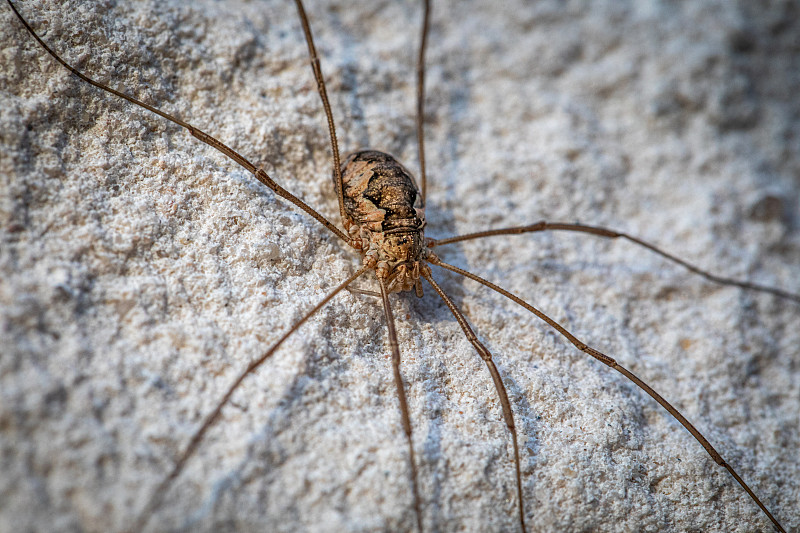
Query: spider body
386, 221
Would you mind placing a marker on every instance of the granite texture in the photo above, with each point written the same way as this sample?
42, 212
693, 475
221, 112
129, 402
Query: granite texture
142, 271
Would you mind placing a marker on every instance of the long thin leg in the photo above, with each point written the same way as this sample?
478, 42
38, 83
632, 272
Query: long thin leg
498, 385
606, 360
323, 94
155, 499
401, 396
363, 292
421, 97
258, 172
612, 234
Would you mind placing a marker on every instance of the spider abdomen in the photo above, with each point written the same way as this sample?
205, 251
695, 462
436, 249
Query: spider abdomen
380, 200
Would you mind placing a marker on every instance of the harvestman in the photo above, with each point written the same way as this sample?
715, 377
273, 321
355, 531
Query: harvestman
383, 221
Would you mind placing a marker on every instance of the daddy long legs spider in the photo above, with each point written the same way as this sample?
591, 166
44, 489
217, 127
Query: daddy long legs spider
154, 271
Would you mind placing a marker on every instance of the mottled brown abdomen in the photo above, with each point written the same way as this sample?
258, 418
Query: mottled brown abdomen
380, 193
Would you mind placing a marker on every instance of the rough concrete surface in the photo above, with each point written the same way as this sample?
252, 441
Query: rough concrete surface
142, 271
